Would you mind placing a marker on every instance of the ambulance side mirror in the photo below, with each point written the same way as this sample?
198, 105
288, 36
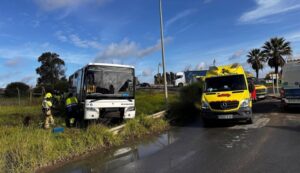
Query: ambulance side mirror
251, 87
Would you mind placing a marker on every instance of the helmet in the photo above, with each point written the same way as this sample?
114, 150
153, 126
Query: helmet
48, 95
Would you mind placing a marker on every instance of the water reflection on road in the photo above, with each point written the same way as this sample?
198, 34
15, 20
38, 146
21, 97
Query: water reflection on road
115, 158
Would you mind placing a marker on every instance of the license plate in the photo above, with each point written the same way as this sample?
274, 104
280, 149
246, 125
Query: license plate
225, 116
261, 97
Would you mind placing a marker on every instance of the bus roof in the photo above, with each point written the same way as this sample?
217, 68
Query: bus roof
111, 65
103, 64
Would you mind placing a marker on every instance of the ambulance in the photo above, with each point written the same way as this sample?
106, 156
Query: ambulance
226, 95
260, 89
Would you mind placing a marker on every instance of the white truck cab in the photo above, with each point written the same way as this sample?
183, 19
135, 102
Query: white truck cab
188, 77
180, 79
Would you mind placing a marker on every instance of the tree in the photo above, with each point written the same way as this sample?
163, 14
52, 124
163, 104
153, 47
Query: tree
168, 76
61, 86
137, 82
11, 89
257, 59
51, 70
158, 79
275, 49
173, 77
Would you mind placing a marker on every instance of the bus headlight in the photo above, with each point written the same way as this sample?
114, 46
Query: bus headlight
132, 108
204, 105
245, 103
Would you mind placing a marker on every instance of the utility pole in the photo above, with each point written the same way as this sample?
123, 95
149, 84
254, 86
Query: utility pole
214, 63
163, 50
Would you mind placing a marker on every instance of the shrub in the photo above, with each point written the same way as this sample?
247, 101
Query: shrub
186, 107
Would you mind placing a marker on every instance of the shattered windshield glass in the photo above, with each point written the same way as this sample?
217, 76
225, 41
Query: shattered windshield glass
110, 81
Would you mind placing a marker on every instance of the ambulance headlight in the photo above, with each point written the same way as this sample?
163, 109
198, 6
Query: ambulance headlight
204, 105
245, 103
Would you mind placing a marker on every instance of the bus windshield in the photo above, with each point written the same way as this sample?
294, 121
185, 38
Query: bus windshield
109, 81
225, 83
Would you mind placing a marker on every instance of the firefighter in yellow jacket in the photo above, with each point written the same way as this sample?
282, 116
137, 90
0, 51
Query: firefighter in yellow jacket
71, 110
47, 110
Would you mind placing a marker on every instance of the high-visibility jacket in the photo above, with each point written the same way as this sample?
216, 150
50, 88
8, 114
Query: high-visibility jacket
46, 104
71, 101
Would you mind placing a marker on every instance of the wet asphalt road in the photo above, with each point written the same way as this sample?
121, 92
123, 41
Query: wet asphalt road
271, 144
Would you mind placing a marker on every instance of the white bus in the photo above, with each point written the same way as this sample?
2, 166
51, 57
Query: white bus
104, 89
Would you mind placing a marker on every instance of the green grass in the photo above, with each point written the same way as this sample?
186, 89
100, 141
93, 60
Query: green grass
23, 149
24, 101
149, 102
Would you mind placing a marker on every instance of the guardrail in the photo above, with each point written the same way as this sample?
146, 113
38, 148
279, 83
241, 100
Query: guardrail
116, 130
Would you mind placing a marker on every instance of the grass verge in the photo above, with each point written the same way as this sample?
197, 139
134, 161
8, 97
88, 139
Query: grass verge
24, 149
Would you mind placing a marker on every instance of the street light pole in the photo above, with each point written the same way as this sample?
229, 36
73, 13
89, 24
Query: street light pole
163, 50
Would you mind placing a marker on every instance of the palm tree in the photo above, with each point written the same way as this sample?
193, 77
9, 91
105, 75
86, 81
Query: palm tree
275, 49
257, 59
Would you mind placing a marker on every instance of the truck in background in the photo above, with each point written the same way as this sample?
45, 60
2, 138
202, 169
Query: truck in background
104, 89
290, 91
188, 77
226, 94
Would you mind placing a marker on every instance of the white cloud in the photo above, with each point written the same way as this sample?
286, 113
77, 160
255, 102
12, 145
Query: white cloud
45, 45
60, 36
50, 5
236, 54
296, 56
77, 41
30, 80
294, 36
147, 72
200, 66
180, 16
76, 58
266, 8
185, 28
13, 62
127, 49
84, 43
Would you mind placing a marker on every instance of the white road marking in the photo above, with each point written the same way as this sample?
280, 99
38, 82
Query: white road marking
293, 118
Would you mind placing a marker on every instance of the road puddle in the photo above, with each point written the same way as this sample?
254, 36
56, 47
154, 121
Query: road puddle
258, 123
115, 158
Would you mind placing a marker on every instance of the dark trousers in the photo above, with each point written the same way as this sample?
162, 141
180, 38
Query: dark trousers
72, 112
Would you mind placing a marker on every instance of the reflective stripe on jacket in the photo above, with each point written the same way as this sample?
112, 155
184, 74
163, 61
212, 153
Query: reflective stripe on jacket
71, 101
46, 104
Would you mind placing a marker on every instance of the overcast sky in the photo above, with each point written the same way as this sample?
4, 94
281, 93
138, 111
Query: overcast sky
127, 32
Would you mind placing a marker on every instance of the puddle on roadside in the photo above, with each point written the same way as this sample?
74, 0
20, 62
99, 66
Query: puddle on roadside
115, 158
